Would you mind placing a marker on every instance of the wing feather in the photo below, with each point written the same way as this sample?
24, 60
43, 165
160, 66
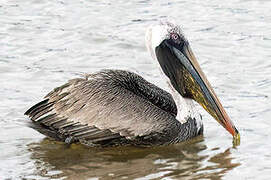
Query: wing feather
105, 108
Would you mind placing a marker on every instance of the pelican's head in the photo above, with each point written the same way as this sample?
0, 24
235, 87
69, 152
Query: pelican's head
168, 45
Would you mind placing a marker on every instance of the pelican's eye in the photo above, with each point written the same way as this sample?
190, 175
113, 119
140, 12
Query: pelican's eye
175, 37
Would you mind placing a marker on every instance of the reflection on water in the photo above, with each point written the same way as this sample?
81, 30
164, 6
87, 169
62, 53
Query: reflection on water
56, 160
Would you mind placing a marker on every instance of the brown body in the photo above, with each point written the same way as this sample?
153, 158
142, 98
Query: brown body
112, 107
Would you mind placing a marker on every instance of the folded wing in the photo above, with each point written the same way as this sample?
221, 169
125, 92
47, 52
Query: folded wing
111, 107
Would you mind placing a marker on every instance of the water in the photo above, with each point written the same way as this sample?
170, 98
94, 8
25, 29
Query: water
46, 42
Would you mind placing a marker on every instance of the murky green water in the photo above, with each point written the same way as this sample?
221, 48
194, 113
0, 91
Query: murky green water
43, 43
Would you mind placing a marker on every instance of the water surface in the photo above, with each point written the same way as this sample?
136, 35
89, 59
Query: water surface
46, 42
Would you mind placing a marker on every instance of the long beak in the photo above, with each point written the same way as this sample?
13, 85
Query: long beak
182, 68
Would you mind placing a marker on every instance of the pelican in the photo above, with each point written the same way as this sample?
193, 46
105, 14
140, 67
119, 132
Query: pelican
117, 107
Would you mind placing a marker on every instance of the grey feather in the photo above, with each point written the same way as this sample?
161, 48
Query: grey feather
111, 107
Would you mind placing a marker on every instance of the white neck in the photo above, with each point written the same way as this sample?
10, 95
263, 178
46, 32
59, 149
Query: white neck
186, 108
